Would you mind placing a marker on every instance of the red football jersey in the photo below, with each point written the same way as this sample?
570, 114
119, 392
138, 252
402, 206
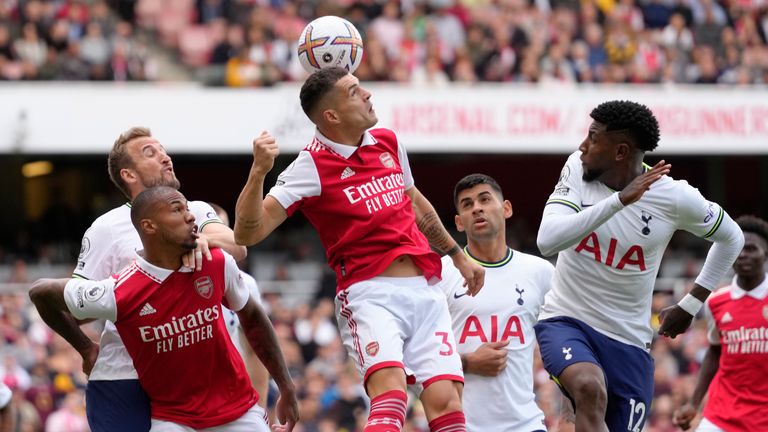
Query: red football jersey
174, 330
357, 203
738, 394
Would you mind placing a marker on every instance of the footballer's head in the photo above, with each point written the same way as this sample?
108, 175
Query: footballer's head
138, 161
481, 210
621, 131
161, 216
334, 98
753, 256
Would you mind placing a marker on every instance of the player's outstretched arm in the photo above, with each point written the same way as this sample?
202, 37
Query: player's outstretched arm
564, 226
262, 338
256, 217
728, 242
48, 297
437, 236
684, 415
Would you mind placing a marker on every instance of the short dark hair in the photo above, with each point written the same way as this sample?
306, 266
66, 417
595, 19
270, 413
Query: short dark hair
119, 158
755, 225
144, 201
472, 180
317, 86
634, 118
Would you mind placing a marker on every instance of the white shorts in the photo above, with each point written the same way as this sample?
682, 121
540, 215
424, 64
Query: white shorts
399, 322
251, 421
707, 426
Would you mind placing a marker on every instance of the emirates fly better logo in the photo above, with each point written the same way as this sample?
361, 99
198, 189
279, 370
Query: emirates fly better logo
204, 286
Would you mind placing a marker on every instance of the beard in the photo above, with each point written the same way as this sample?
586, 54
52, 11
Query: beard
162, 180
189, 245
590, 175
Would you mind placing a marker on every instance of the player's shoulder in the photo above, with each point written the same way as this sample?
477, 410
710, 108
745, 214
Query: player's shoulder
118, 214
722, 295
532, 262
383, 133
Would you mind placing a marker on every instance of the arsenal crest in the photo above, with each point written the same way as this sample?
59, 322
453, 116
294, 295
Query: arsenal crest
387, 160
204, 286
372, 348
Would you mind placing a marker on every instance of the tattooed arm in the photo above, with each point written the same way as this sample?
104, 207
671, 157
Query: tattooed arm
262, 338
437, 236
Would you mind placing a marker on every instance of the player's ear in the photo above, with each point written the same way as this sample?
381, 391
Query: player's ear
507, 206
459, 225
330, 116
128, 176
148, 226
623, 150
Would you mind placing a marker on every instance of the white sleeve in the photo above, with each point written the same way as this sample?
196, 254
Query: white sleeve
300, 180
253, 287
204, 214
5, 395
95, 259
235, 290
709, 221
451, 280
91, 299
545, 282
564, 222
402, 156
713, 334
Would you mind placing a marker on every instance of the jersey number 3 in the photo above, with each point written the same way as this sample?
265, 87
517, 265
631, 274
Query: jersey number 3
444, 340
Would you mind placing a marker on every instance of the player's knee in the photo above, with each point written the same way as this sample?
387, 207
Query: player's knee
588, 390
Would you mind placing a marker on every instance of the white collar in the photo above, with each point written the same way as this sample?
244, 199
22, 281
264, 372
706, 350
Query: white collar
153, 271
342, 149
759, 292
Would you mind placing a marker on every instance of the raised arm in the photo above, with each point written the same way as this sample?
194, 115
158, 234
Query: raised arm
262, 338
255, 216
565, 223
437, 236
48, 297
222, 236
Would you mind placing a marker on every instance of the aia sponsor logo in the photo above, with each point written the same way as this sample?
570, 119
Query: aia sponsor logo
204, 286
372, 348
387, 160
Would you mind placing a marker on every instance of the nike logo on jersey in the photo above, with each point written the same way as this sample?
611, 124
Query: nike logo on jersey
147, 310
585, 205
457, 295
347, 173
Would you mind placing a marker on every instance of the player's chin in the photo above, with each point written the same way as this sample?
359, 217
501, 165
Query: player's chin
189, 244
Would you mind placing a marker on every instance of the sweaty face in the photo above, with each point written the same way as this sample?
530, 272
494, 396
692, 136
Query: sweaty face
752, 258
597, 152
175, 224
482, 212
353, 104
151, 163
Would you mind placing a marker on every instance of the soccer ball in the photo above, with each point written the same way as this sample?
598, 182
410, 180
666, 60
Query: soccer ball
330, 41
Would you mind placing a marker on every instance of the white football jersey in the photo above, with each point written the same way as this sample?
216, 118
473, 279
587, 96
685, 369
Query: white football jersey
606, 279
108, 246
506, 308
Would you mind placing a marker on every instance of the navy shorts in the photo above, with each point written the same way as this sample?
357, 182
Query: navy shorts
117, 406
628, 369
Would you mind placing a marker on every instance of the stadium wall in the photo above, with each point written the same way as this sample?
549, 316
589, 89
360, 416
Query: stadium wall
55, 118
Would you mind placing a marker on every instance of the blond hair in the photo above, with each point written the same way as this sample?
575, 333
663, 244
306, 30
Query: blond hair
119, 158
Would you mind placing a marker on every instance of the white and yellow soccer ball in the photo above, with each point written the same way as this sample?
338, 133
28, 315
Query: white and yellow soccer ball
330, 41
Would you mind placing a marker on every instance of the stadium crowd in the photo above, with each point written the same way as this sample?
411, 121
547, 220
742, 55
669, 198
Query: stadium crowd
48, 385
252, 43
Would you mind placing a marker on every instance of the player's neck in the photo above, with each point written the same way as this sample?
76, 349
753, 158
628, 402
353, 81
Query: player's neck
618, 179
750, 282
163, 259
488, 251
350, 138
